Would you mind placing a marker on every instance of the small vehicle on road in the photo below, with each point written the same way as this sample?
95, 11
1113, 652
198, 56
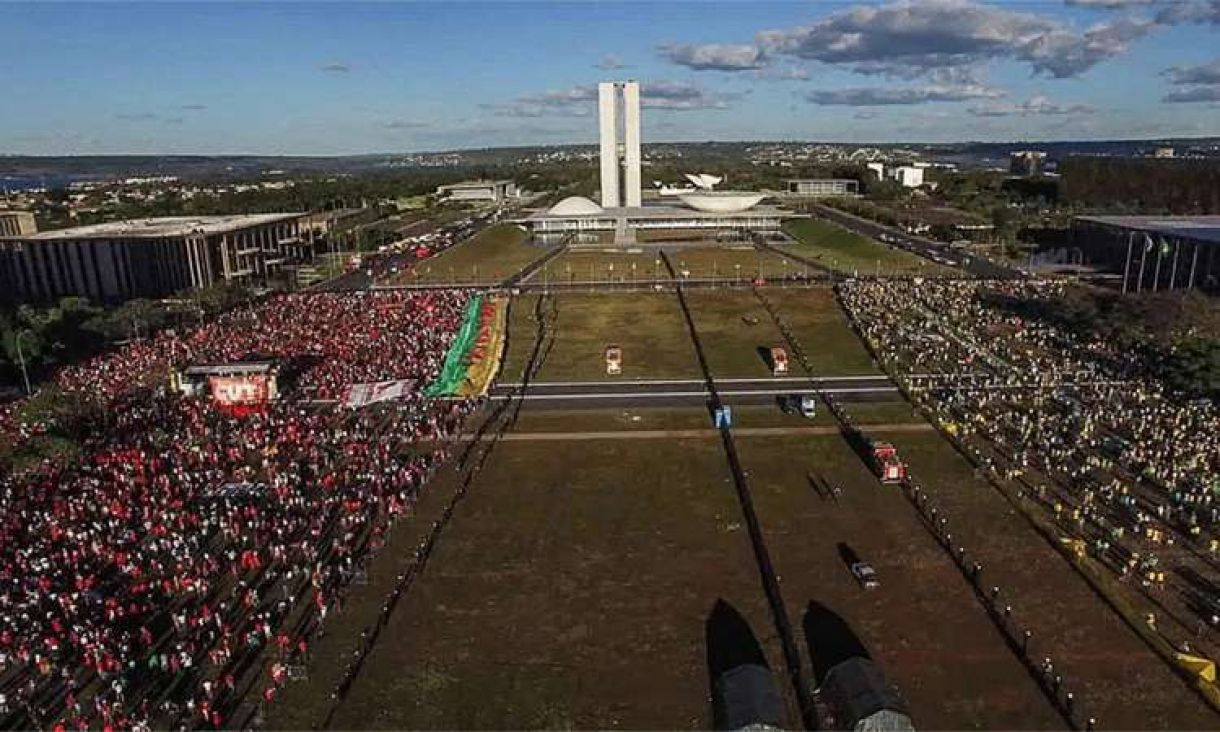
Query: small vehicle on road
865, 575
808, 405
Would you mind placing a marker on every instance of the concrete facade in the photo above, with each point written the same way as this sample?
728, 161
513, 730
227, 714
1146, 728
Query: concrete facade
552, 227
908, 176
147, 257
495, 191
607, 125
1153, 252
817, 187
620, 162
17, 223
631, 144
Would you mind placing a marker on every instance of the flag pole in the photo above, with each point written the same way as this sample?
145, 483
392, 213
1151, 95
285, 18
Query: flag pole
1156, 276
1173, 272
1194, 260
1139, 286
1127, 268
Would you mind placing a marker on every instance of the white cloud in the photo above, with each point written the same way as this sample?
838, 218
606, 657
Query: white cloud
1063, 54
907, 38
681, 96
1194, 94
787, 73
889, 96
1034, 106
1190, 11
579, 101
405, 124
610, 62
1202, 74
1109, 4
714, 56
1198, 83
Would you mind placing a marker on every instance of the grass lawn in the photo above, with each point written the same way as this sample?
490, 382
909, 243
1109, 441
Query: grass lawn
743, 262
922, 626
821, 327
490, 257
1121, 680
736, 332
594, 265
571, 591
647, 326
850, 252
656, 344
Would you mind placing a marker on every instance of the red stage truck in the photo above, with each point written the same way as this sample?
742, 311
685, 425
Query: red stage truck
886, 465
779, 362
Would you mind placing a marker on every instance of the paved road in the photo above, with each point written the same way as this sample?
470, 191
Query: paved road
976, 266
629, 434
693, 392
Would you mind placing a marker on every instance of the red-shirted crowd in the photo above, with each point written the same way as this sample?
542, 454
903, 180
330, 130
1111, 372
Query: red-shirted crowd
179, 569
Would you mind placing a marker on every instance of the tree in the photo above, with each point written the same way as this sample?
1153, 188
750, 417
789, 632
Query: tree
1193, 367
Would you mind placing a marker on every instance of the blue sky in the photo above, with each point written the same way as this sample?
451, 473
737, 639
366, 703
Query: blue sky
314, 78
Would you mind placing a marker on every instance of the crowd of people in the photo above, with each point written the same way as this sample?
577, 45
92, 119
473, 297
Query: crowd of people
181, 566
1129, 468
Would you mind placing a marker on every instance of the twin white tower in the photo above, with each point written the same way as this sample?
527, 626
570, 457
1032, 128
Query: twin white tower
620, 161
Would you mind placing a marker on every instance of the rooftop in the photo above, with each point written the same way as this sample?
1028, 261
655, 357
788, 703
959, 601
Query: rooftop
656, 212
166, 226
1202, 228
476, 184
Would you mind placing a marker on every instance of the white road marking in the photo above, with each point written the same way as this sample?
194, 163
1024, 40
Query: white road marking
664, 382
669, 394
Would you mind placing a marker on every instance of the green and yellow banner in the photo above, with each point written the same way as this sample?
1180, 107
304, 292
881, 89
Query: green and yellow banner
474, 357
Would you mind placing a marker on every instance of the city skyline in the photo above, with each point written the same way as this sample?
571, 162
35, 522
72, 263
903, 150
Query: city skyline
351, 79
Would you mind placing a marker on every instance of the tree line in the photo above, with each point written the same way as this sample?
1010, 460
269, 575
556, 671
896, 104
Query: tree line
1142, 185
74, 328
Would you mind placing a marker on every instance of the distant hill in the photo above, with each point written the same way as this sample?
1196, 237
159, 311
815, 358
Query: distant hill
18, 169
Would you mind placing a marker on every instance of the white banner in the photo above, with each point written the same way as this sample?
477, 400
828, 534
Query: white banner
359, 395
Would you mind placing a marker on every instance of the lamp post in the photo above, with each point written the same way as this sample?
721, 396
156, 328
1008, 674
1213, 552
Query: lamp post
25, 376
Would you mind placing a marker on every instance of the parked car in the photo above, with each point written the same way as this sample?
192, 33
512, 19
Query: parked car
865, 575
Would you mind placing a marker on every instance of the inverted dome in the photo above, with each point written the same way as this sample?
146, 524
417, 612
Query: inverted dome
721, 201
575, 206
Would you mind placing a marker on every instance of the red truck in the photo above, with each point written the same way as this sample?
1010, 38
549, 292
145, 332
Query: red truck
886, 465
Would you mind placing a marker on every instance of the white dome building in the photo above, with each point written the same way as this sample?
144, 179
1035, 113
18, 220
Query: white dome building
575, 206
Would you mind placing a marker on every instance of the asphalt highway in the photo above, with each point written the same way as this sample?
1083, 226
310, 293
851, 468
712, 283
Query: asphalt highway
693, 392
933, 250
